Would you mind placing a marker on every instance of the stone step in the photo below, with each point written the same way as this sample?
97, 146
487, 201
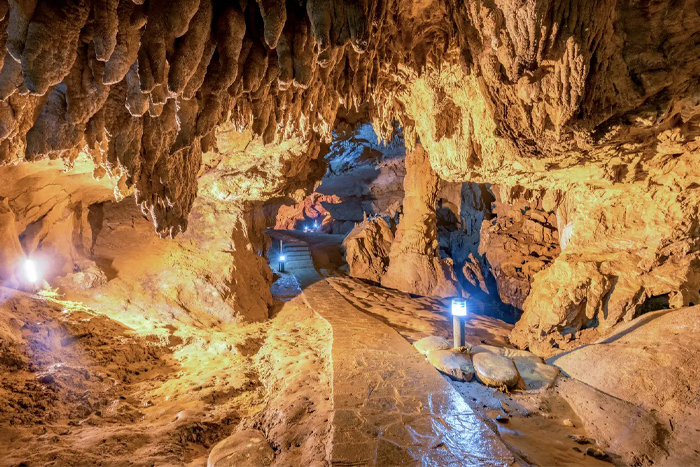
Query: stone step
288, 249
295, 253
296, 263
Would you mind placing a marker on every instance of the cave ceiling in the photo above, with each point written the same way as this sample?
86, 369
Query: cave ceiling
509, 91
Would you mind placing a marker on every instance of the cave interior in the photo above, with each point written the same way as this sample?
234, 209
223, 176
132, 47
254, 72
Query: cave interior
240, 233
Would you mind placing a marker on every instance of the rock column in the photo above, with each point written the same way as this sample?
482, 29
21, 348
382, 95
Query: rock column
414, 262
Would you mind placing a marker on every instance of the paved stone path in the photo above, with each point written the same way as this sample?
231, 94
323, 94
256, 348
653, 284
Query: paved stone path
391, 407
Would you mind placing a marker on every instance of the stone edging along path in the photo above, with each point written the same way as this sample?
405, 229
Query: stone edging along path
391, 407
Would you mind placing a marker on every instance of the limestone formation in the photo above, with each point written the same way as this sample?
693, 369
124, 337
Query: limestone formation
589, 107
414, 263
367, 248
453, 362
519, 241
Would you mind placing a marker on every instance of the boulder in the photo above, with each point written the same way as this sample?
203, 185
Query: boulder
367, 249
431, 343
534, 372
536, 375
507, 352
495, 370
626, 429
453, 362
247, 448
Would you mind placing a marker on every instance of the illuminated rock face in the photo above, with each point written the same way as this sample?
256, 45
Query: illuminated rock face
143, 85
415, 265
520, 241
591, 106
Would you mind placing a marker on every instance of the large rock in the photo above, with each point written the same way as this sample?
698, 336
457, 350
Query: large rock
652, 362
247, 448
534, 372
518, 242
414, 262
367, 249
629, 431
453, 362
495, 370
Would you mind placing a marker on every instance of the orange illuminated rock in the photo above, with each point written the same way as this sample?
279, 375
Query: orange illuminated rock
414, 263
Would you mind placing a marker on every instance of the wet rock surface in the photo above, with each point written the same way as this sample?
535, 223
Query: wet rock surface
380, 421
453, 362
643, 351
495, 370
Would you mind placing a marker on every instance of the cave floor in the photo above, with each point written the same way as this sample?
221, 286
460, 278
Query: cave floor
390, 405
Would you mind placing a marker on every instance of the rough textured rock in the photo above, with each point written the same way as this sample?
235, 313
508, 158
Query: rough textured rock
650, 362
622, 260
453, 362
414, 262
495, 370
364, 179
592, 105
45, 212
462, 208
520, 241
247, 448
84, 244
367, 249
281, 70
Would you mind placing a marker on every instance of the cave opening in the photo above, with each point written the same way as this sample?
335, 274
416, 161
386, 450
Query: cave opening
655, 303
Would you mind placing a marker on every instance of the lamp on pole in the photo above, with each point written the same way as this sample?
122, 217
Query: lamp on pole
459, 316
282, 258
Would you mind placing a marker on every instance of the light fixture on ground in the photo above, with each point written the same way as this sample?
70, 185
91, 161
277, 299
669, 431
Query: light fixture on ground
459, 316
281, 258
30, 271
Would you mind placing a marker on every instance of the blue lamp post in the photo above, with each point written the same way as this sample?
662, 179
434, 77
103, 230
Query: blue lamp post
281, 258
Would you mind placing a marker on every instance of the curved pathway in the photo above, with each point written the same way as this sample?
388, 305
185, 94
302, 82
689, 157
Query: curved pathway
391, 407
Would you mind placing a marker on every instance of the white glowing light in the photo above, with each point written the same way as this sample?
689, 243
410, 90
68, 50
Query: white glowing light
459, 307
30, 271
282, 258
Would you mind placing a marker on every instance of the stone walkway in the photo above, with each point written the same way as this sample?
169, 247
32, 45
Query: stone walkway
391, 406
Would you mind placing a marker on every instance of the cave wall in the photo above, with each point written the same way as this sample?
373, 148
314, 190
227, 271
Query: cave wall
591, 104
520, 241
45, 216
